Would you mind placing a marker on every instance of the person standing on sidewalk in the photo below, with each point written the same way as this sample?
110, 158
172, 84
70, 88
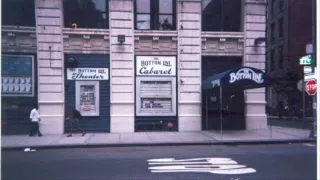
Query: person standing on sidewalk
76, 116
35, 118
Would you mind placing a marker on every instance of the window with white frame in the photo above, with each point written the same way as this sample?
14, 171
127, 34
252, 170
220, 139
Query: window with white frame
156, 96
87, 98
155, 14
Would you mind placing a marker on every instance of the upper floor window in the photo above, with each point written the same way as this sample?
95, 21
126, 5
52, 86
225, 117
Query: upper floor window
18, 12
272, 59
281, 5
221, 15
155, 14
280, 26
273, 6
86, 13
273, 28
280, 57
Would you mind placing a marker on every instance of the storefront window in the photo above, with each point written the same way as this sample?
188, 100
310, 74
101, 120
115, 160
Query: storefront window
221, 15
155, 14
149, 90
86, 97
18, 12
86, 13
17, 75
156, 86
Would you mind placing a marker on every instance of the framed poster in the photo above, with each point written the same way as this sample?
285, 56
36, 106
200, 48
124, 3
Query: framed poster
156, 96
87, 98
17, 75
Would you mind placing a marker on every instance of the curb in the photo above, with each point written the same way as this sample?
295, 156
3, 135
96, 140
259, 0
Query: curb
232, 143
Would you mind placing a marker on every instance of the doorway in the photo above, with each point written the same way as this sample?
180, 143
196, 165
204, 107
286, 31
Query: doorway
232, 99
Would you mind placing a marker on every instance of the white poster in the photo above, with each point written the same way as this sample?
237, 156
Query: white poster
156, 65
156, 96
87, 98
88, 74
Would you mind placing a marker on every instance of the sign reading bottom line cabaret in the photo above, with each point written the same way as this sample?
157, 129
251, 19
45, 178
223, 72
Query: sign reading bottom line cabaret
156, 65
88, 74
156, 85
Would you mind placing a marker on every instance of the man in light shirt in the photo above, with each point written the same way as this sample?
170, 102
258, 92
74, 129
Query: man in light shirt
35, 118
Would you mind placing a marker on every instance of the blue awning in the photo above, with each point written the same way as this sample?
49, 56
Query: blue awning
243, 77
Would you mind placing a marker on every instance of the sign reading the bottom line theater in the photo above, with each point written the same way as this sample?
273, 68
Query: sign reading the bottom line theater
88, 74
156, 65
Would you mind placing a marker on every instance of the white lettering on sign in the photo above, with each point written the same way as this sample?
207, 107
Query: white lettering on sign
199, 165
215, 83
156, 65
87, 74
246, 73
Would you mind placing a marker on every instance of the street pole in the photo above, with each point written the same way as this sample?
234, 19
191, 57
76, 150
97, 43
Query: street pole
313, 65
303, 101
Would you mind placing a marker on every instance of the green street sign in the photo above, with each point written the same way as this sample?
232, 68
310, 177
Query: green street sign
305, 60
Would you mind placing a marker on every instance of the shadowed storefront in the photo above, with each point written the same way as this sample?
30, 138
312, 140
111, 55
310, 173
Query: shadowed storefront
224, 104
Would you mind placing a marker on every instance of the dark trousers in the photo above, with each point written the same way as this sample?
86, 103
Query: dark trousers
75, 123
35, 128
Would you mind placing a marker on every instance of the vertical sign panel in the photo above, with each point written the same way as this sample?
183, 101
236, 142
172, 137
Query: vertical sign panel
156, 85
156, 96
87, 98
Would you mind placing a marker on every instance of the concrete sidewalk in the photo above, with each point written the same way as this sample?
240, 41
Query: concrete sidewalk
274, 135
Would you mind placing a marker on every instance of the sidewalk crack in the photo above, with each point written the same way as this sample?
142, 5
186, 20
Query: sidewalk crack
149, 137
54, 142
87, 140
211, 137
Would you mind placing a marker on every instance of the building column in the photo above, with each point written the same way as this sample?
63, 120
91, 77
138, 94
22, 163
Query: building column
254, 56
49, 23
121, 66
189, 65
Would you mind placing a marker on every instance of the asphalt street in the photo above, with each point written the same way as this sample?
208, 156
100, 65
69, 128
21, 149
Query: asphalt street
253, 162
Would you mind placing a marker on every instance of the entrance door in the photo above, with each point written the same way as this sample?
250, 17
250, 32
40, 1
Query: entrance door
232, 99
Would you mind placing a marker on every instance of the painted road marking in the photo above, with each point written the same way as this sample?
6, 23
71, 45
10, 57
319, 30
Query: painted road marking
199, 165
309, 144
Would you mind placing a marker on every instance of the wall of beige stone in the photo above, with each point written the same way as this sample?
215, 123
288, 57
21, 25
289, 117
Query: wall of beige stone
254, 56
122, 66
50, 65
189, 65
188, 43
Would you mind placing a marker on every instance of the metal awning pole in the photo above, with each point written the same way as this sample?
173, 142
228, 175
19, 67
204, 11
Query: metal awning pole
221, 111
207, 113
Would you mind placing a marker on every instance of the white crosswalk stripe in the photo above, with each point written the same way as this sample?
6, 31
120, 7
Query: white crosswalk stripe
310, 145
199, 165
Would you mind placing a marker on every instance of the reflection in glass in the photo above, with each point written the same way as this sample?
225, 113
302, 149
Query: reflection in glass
165, 6
18, 12
143, 6
166, 22
99, 5
97, 20
221, 15
231, 15
86, 13
143, 21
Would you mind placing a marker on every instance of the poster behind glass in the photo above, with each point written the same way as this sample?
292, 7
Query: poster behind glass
87, 99
17, 75
156, 97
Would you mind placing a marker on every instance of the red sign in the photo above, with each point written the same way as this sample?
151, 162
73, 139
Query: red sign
311, 87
